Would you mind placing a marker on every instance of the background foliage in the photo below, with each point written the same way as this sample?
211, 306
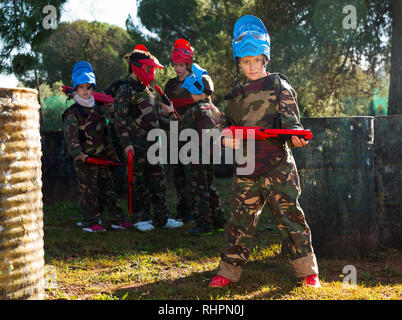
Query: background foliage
335, 71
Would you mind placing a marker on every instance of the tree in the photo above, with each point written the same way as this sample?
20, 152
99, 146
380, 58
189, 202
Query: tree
54, 102
207, 25
328, 41
308, 40
100, 44
23, 27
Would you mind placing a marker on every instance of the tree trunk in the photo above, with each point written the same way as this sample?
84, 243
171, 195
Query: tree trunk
42, 124
395, 89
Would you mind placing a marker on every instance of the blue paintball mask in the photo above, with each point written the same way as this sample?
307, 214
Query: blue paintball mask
250, 38
193, 82
83, 73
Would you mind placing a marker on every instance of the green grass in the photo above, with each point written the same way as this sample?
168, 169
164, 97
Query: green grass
168, 264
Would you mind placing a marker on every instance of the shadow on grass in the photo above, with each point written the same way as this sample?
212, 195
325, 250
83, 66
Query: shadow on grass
260, 280
72, 241
64, 239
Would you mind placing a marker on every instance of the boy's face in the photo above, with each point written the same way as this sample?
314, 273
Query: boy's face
180, 69
85, 90
253, 67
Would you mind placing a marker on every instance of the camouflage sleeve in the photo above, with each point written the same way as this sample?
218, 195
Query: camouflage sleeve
289, 110
146, 105
109, 113
224, 119
205, 118
71, 135
121, 108
111, 153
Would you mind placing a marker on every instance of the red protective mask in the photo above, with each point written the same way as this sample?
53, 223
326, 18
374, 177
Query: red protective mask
145, 70
182, 52
181, 55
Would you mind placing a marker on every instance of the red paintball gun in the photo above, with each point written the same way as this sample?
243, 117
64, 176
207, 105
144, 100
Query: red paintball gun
102, 162
262, 133
182, 102
165, 100
99, 97
130, 173
130, 169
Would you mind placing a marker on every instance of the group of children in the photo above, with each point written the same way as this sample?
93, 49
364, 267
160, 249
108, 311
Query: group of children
264, 100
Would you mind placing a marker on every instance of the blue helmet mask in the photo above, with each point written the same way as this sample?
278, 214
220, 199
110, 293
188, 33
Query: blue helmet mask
83, 73
193, 82
250, 38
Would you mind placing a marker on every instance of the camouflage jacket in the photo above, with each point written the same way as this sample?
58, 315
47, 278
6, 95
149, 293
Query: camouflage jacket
85, 131
135, 110
174, 90
109, 108
199, 115
270, 103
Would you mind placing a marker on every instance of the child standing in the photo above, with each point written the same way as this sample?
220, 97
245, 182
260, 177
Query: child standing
135, 115
86, 135
265, 100
198, 177
200, 116
141, 204
181, 57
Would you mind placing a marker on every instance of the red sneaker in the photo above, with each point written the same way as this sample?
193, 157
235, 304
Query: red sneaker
219, 282
312, 281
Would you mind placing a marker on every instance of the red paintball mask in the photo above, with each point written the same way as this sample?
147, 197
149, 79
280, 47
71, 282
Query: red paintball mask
145, 70
182, 52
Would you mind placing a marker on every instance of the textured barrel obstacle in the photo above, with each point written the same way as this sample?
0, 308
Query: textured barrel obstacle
21, 209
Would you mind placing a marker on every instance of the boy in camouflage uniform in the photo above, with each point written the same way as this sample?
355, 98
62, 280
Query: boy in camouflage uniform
135, 115
86, 135
199, 178
201, 115
181, 58
141, 205
265, 100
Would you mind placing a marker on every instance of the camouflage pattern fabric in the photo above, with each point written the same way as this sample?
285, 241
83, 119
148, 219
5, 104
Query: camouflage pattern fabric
174, 90
141, 204
85, 131
200, 177
96, 193
149, 187
259, 107
195, 182
216, 211
135, 115
135, 112
110, 116
275, 180
184, 206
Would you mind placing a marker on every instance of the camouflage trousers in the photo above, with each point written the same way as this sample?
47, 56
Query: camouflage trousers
280, 189
184, 206
96, 193
149, 189
142, 206
201, 191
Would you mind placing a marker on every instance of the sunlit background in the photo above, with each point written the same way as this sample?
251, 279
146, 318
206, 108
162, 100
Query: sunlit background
90, 10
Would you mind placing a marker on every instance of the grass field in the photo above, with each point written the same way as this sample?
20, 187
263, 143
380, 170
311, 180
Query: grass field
168, 264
